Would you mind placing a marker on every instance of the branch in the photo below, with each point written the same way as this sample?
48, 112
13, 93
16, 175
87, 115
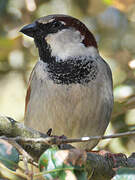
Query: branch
35, 143
11, 128
54, 140
104, 166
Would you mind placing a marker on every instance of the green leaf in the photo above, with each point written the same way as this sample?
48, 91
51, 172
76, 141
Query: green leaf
125, 174
9, 156
55, 163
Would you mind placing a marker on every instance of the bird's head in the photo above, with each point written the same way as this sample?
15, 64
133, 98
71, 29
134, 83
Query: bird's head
61, 36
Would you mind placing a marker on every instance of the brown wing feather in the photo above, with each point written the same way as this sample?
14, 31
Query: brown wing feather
27, 98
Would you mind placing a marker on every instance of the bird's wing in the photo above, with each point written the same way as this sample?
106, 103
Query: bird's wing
27, 98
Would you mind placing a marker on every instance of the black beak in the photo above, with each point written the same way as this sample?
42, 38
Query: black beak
29, 29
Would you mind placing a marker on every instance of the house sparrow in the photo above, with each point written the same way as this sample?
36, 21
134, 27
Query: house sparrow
70, 88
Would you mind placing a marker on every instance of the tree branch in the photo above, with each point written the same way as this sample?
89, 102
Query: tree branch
35, 143
54, 140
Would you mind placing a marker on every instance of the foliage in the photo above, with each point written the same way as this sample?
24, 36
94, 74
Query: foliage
53, 163
62, 164
9, 156
56, 164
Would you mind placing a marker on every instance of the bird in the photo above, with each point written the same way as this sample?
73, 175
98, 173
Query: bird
70, 88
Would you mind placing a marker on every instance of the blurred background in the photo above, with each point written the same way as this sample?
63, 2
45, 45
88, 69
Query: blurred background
113, 24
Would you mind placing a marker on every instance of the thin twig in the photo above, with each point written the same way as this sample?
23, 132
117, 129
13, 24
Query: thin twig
56, 140
91, 138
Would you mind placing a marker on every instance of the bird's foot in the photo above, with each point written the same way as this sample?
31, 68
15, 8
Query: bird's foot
49, 132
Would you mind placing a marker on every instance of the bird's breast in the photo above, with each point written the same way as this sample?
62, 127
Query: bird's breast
74, 110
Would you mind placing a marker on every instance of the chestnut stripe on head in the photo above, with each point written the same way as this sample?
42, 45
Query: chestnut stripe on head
89, 39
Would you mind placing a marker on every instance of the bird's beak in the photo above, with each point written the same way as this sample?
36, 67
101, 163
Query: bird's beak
29, 29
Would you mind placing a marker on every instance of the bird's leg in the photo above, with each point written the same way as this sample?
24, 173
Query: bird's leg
49, 132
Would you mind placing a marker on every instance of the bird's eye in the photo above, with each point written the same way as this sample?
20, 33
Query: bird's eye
56, 24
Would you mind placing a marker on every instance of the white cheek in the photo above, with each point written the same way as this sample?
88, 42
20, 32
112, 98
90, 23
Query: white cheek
67, 43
